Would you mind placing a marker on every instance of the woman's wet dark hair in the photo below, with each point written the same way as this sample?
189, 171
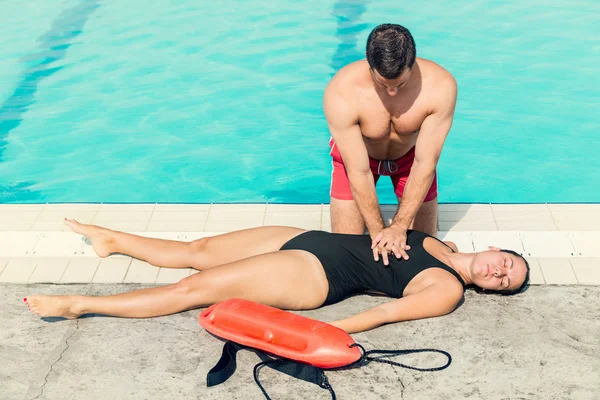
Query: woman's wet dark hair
506, 292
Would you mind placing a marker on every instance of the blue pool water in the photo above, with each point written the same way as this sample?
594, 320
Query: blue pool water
198, 102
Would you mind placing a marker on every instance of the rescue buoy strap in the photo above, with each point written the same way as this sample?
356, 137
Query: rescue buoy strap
366, 357
308, 373
226, 365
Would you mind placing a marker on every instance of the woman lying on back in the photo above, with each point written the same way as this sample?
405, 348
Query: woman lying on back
294, 269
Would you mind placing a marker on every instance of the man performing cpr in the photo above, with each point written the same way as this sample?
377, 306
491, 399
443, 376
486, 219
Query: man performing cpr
388, 115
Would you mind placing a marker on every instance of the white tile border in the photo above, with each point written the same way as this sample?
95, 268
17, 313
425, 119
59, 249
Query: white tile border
510, 240
141, 272
112, 270
49, 270
587, 270
18, 244
547, 244
558, 271
172, 275
585, 244
531, 229
462, 240
80, 270
536, 276
3, 262
18, 270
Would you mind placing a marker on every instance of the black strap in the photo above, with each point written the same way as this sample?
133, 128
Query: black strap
227, 365
366, 358
308, 373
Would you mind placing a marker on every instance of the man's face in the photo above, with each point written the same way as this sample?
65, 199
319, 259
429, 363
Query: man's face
391, 86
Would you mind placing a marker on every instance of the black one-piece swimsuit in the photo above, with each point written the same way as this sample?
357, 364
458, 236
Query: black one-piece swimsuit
350, 268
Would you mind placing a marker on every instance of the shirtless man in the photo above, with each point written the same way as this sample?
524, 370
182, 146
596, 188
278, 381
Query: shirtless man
388, 115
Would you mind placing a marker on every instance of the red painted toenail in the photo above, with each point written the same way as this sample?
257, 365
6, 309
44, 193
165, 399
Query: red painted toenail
24, 299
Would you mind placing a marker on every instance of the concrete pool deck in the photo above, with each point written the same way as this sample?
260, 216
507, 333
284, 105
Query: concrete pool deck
540, 344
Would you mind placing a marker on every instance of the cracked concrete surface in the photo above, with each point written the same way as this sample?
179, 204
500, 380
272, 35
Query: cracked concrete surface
542, 344
55, 356
62, 347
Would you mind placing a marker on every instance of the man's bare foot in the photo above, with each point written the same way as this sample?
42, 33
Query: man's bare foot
52, 306
101, 238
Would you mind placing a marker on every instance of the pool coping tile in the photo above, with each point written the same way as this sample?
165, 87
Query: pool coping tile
557, 256
557, 271
585, 244
510, 240
536, 276
14, 244
462, 240
547, 244
587, 270
112, 270
172, 275
141, 272
48, 270
468, 226
58, 244
80, 270
18, 270
3, 262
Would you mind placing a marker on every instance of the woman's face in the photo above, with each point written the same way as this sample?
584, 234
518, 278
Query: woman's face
497, 270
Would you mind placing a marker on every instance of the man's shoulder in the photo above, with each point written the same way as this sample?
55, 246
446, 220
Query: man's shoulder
435, 74
343, 90
440, 89
349, 77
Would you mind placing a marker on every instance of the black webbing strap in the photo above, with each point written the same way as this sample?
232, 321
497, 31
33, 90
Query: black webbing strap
226, 365
308, 373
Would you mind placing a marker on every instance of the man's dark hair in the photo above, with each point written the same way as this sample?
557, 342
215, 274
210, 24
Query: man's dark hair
507, 292
390, 50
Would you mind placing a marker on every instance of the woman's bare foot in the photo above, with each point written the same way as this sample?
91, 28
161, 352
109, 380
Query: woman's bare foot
101, 238
53, 306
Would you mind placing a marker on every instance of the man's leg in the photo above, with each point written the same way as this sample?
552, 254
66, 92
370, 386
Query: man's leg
345, 217
426, 218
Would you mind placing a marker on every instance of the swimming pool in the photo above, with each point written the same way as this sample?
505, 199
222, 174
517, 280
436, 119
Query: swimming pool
198, 103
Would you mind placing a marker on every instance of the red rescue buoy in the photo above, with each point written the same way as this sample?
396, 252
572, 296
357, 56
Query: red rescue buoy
302, 347
281, 333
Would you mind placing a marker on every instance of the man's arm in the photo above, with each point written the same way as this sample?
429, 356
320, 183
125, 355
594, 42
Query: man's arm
428, 148
434, 301
342, 119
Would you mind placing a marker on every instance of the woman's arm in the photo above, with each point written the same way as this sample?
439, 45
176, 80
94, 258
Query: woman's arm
433, 301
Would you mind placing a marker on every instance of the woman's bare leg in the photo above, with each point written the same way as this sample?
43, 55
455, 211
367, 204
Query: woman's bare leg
199, 254
290, 279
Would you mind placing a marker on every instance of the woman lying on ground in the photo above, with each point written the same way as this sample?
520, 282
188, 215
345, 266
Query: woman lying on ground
294, 269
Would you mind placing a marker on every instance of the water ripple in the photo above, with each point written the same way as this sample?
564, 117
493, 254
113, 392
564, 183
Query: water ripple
54, 45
